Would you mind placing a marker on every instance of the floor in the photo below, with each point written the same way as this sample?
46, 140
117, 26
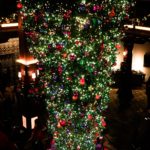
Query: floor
128, 129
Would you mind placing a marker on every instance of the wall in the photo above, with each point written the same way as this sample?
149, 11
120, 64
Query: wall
137, 58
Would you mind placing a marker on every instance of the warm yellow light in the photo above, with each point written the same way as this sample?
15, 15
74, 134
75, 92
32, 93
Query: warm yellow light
125, 52
33, 119
33, 76
128, 26
19, 75
137, 27
137, 62
27, 62
38, 72
33, 122
5, 25
24, 121
142, 28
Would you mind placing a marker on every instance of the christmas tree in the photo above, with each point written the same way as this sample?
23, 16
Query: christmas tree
76, 42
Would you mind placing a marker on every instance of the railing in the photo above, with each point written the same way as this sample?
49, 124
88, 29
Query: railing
10, 47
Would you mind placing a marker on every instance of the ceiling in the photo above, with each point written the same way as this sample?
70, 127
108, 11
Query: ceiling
7, 7
141, 9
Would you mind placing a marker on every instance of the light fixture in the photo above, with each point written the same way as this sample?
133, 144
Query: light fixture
137, 27
5, 25
24, 121
33, 75
30, 70
125, 52
27, 62
31, 121
38, 72
142, 28
19, 75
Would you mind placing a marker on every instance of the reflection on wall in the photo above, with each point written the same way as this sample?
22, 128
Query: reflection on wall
137, 58
139, 51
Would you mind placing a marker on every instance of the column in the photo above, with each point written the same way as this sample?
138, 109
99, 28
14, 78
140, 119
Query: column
125, 81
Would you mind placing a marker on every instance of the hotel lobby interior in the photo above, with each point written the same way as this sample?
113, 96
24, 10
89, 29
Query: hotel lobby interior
128, 112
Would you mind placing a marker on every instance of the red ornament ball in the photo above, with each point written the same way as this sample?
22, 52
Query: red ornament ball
60, 69
59, 47
62, 123
90, 117
118, 46
103, 122
19, 5
72, 56
97, 96
75, 97
112, 13
82, 81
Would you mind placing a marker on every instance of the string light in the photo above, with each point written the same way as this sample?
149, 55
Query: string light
76, 41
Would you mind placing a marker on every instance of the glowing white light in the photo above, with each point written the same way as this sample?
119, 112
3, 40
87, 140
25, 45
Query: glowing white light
27, 62
125, 52
137, 27
24, 121
142, 28
137, 62
33, 76
38, 72
19, 75
33, 122
5, 25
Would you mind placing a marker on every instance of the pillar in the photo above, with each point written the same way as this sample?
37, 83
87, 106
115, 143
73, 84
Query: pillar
125, 82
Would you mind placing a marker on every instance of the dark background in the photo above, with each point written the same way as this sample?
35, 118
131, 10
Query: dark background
8, 7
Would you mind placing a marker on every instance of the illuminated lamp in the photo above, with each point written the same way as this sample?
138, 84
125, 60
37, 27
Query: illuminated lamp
5, 25
31, 122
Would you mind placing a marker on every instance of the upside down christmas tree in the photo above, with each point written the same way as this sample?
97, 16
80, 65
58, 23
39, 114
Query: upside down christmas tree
76, 42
